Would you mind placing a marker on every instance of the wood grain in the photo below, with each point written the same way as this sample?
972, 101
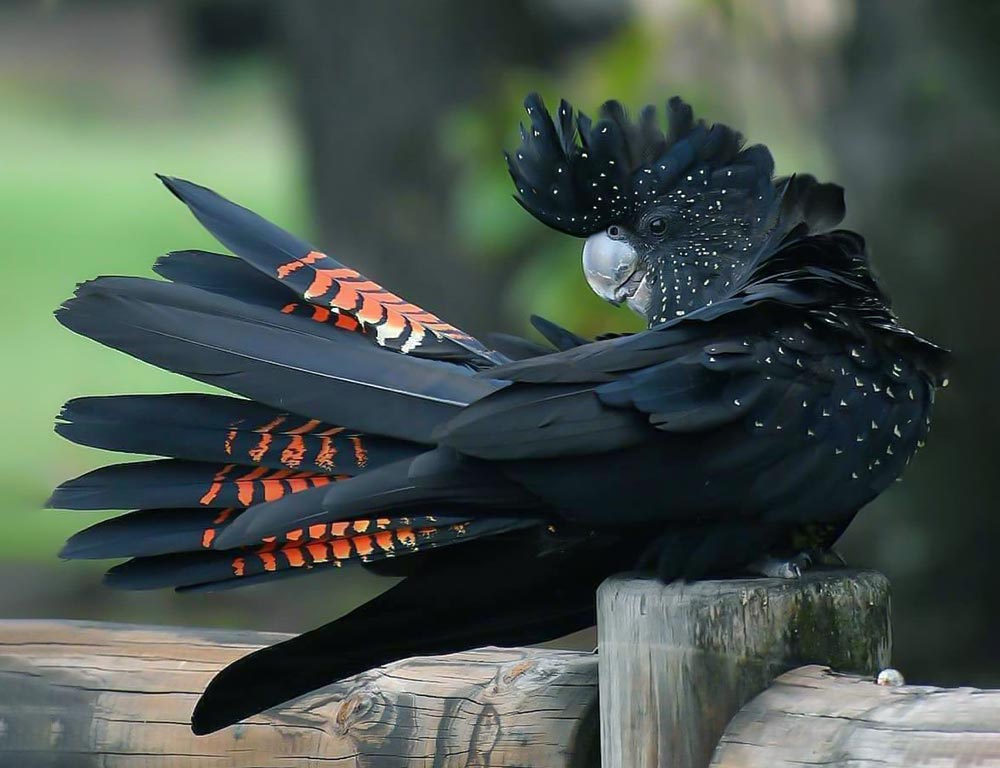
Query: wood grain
813, 717
117, 696
678, 661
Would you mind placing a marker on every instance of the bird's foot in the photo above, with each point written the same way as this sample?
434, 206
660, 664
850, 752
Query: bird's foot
794, 567
782, 568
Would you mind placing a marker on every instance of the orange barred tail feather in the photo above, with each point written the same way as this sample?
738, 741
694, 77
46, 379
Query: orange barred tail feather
151, 532
235, 278
380, 539
175, 483
215, 428
324, 282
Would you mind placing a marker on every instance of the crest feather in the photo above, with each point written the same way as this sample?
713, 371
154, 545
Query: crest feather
578, 176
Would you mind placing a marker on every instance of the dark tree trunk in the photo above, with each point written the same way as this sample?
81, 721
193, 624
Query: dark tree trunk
916, 134
375, 78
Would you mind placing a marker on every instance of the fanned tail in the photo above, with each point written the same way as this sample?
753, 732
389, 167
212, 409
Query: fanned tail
314, 346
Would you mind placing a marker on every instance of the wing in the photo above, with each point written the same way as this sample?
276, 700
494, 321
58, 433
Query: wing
767, 417
600, 397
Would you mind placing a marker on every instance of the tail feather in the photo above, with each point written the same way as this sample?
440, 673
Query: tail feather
456, 603
215, 428
180, 484
386, 539
478, 489
149, 532
233, 277
324, 281
556, 335
276, 359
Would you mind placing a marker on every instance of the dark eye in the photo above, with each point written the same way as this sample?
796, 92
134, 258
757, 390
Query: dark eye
615, 232
658, 226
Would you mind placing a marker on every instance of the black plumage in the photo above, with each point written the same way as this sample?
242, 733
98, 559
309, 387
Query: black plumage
773, 394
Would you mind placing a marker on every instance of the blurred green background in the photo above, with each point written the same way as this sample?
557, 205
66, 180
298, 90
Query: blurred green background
375, 128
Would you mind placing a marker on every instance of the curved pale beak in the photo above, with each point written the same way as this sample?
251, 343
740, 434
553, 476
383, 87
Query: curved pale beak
609, 265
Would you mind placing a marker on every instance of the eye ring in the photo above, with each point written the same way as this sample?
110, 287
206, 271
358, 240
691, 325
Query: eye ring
658, 226
615, 232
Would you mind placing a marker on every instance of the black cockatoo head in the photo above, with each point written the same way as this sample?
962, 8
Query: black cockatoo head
673, 221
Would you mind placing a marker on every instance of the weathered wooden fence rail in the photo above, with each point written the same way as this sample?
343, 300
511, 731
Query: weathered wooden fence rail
682, 669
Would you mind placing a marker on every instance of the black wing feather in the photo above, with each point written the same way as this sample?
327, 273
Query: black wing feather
280, 360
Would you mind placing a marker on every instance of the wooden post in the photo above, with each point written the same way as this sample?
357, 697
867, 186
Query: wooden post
678, 661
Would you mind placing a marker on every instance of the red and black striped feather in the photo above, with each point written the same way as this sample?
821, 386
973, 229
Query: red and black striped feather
151, 532
325, 282
201, 569
179, 484
215, 428
233, 277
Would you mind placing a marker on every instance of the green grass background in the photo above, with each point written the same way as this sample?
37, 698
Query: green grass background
77, 199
